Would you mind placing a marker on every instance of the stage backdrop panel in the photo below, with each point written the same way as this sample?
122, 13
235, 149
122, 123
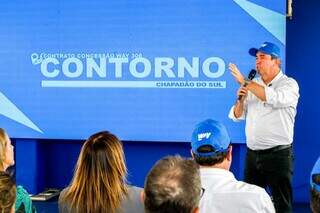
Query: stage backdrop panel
145, 70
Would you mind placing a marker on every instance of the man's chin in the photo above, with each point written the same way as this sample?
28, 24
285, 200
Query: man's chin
258, 71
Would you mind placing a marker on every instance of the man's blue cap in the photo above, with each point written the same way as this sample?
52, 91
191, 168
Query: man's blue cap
267, 48
212, 133
315, 171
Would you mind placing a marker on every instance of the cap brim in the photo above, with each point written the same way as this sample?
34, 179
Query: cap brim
253, 51
316, 167
315, 171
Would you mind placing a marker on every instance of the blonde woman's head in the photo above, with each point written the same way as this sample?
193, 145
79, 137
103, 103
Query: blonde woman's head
99, 182
6, 151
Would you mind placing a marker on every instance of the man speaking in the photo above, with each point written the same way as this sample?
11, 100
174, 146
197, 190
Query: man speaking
268, 104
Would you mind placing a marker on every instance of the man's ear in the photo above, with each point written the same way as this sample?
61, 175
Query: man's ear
142, 196
277, 62
229, 154
191, 154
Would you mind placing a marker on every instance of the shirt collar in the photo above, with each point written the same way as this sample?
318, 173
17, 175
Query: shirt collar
216, 171
275, 79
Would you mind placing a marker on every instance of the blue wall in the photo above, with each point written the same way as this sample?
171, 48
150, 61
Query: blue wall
303, 33
48, 163
51, 163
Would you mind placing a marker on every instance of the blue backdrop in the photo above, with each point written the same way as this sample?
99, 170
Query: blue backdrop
145, 70
49, 163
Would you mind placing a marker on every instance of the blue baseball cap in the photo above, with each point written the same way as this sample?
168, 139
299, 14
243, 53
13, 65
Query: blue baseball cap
212, 133
315, 171
267, 48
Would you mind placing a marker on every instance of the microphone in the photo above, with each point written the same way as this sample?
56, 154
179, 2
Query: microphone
251, 76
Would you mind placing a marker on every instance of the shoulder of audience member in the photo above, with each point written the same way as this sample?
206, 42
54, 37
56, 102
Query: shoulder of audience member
23, 197
62, 193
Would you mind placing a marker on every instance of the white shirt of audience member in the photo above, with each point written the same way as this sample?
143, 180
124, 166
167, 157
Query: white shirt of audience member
223, 193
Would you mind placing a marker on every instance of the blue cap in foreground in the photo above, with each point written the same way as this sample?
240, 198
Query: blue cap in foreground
212, 133
315, 170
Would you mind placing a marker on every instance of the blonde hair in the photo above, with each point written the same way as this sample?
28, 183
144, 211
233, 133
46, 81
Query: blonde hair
99, 181
3, 145
7, 193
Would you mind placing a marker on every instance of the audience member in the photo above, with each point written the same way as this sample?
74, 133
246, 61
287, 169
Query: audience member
172, 186
211, 149
99, 182
315, 187
7, 160
7, 193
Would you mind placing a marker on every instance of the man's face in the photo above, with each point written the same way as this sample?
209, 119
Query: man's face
265, 65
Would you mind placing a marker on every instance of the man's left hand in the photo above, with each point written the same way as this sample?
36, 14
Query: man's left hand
236, 73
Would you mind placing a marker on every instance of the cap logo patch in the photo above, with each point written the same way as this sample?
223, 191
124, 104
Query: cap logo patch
204, 135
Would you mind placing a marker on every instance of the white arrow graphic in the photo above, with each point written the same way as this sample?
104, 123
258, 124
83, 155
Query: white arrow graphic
272, 21
8, 109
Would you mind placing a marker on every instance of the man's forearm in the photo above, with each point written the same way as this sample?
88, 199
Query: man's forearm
238, 109
257, 90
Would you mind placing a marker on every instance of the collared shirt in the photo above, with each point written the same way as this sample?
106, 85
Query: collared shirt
270, 123
223, 193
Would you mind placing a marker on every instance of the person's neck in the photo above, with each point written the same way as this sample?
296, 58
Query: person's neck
4, 167
218, 166
267, 80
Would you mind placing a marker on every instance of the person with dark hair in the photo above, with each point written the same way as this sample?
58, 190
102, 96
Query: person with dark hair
7, 193
315, 187
211, 149
23, 200
269, 105
172, 186
99, 182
